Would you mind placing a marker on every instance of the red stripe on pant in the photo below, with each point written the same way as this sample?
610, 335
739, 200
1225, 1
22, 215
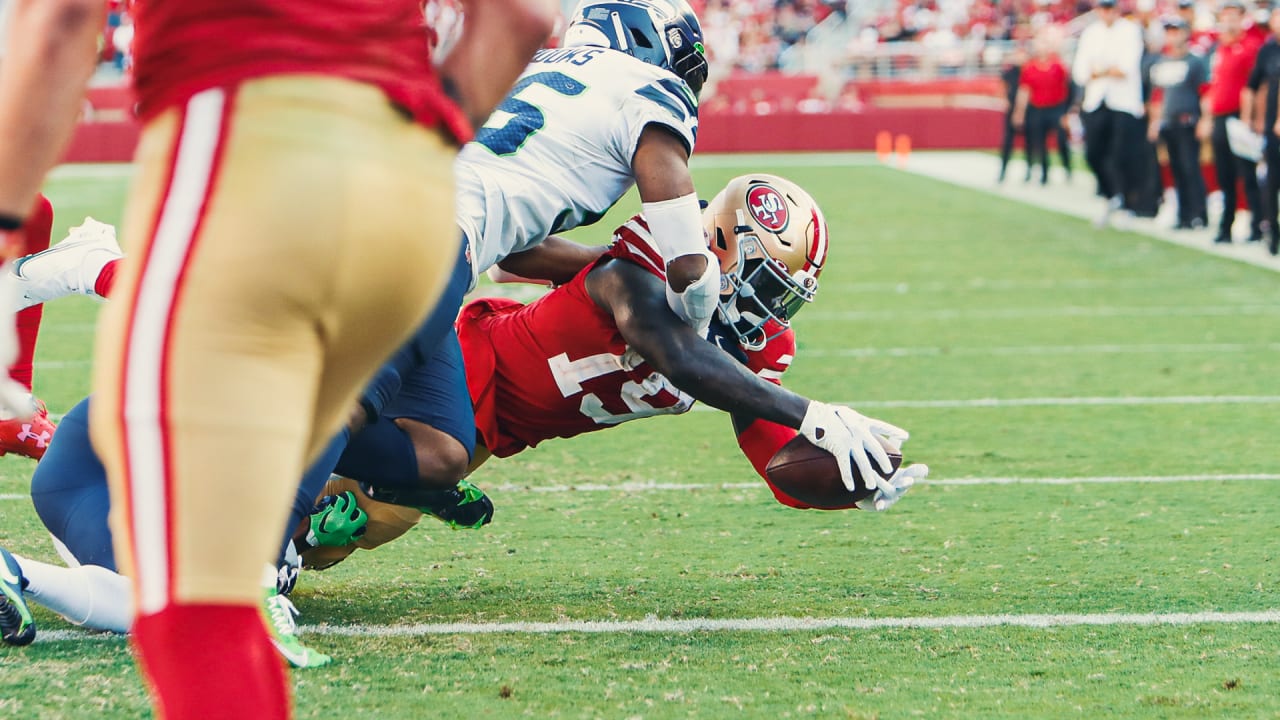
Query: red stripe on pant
234, 674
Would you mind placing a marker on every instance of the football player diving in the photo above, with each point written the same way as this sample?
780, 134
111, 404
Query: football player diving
771, 242
604, 349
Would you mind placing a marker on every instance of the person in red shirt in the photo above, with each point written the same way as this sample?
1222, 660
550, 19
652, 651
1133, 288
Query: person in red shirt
1043, 90
290, 224
1232, 62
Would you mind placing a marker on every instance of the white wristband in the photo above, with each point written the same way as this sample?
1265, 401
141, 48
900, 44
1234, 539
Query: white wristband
676, 226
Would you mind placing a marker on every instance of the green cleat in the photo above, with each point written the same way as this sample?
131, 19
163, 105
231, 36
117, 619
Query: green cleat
471, 511
337, 521
16, 625
280, 614
465, 506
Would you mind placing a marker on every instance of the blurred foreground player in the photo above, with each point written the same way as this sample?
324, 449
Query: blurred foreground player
615, 107
49, 50
276, 134
605, 349
27, 430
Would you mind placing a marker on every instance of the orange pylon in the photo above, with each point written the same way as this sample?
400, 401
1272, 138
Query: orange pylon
903, 147
884, 145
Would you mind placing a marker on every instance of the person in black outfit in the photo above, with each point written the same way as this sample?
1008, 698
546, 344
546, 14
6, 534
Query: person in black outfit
1262, 116
1178, 76
1062, 125
1009, 76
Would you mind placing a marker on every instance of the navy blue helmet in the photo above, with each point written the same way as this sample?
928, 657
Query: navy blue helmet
665, 33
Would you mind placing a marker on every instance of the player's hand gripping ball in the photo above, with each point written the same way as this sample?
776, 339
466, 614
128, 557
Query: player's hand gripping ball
811, 475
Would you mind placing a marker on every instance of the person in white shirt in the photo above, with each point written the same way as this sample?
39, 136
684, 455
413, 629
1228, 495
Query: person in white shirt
1108, 66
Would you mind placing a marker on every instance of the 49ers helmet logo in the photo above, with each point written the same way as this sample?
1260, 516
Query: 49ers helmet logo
768, 207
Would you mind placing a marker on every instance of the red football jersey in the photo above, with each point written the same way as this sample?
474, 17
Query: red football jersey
558, 367
182, 47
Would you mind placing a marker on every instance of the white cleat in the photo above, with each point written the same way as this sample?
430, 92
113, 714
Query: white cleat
1114, 205
69, 268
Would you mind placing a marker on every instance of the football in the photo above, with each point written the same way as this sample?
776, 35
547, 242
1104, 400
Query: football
810, 474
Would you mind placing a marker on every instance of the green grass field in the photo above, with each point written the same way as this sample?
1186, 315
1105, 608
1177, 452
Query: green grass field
935, 298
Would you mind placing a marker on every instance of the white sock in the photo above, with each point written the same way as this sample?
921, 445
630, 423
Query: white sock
88, 595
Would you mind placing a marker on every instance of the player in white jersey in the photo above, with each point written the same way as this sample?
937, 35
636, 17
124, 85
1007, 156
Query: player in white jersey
558, 152
616, 106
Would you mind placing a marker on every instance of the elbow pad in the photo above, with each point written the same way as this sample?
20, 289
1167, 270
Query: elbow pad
676, 227
697, 304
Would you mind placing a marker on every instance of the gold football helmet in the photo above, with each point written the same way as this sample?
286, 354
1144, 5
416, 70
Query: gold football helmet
771, 240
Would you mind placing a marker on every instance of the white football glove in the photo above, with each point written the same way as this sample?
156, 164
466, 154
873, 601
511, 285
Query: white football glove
15, 400
854, 440
697, 304
899, 484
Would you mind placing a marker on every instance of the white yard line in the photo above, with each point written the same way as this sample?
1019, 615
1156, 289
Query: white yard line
651, 486
1052, 402
61, 364
940, 351
1025, 313
773, 624
1030, 350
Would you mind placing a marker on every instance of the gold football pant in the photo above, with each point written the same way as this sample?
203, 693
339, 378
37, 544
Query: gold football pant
284, 237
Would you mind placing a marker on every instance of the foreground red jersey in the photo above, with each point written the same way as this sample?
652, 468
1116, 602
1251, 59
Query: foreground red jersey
185, 46
558, 367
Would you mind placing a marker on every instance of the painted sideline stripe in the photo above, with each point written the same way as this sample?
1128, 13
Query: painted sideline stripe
777, 624
651, 486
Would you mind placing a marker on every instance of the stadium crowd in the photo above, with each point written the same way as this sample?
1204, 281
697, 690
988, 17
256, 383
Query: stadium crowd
1033, 46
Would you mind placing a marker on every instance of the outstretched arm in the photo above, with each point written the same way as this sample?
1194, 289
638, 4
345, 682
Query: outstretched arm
555, 260
637, 301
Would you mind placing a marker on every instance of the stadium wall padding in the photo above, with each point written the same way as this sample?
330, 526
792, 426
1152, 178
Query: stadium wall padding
108, 132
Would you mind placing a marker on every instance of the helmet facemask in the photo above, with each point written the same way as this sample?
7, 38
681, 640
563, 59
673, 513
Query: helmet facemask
759, 297
770, 238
